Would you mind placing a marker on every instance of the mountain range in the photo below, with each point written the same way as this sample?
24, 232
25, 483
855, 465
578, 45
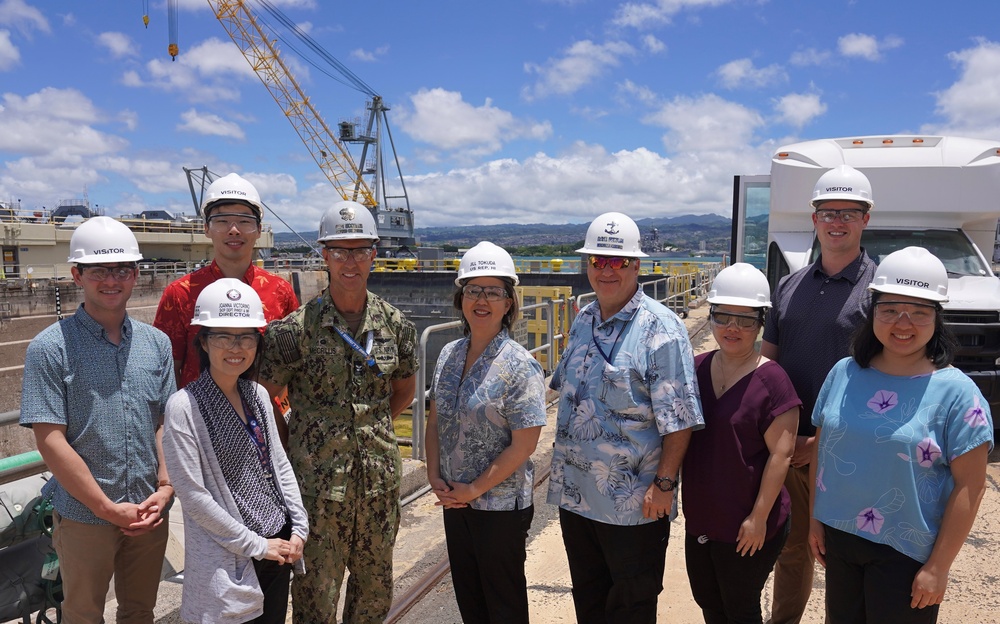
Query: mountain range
682, 232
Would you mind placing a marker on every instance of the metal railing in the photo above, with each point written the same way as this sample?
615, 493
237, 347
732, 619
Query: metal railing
22, 465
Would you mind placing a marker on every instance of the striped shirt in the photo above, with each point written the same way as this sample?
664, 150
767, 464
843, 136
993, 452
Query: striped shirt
109, 397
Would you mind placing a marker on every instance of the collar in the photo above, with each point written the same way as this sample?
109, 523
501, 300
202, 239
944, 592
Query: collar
853, 272
496, 344
96, 329
331, 316
247, 276
625, 314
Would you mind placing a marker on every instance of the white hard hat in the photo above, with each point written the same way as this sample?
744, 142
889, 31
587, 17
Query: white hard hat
844, 183
741, 284
914, 272
486, 260
103, 239
612, 234
347, 220
232, 189
228, 302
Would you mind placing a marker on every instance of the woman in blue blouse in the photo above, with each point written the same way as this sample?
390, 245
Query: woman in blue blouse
487, 409
901, 460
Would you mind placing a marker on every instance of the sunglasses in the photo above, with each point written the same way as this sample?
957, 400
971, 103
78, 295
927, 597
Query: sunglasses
847, 215
724, 319
491, 293
615, 262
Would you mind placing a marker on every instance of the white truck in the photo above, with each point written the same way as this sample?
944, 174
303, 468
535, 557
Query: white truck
940, 193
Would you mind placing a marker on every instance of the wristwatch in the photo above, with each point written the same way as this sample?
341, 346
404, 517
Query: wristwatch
666, 484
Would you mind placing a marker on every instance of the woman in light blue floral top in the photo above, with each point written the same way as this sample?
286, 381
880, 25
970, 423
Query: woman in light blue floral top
486, 412
900, 467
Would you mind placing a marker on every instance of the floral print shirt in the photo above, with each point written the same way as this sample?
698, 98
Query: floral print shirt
624, 383
503, 391
885, 451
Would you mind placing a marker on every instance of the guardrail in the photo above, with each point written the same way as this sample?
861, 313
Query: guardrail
22, 465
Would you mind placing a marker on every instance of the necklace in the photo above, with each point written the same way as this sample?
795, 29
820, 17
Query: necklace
722, 368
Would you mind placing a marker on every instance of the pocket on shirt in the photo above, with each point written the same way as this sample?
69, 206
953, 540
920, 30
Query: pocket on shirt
615, 390
238, 594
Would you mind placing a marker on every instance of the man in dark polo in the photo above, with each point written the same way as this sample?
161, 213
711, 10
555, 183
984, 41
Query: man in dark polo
816, 310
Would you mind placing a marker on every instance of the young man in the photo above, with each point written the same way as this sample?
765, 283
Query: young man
628, 404
348, 360
233, 212
815, 313
95, 386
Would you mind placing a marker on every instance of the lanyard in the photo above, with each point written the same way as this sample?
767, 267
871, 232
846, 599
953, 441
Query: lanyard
256, 434
593, 337
364, 351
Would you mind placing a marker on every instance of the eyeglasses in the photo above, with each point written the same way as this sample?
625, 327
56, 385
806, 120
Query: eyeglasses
101, 273
224, 222
221, 340
492, 293
615, 262
724, 319
920, 314
847, 215
341, 254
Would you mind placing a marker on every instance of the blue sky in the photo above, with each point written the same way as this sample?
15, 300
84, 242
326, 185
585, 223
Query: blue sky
521, 111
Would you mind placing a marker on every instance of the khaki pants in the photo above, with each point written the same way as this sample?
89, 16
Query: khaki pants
793, 573
89, 554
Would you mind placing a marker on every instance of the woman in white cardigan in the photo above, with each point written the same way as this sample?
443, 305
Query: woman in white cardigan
244, 524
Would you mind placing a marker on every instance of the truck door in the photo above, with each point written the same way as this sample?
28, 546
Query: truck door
751, 207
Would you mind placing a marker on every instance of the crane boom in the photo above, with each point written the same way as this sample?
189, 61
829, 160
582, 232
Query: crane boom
262, 53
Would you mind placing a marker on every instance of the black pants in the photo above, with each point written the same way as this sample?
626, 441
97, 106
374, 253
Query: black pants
486, 550
617, 571
274, 578
726, 585
869, 582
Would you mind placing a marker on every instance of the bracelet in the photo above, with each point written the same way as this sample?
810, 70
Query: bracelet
160, 484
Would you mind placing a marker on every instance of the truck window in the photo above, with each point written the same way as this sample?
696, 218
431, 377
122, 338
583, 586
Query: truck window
952, 247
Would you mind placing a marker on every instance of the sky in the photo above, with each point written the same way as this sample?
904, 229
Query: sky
521, 111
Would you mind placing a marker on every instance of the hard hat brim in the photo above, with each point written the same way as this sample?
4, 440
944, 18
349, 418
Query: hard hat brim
612, 252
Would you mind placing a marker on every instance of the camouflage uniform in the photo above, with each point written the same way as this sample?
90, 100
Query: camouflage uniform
343, 450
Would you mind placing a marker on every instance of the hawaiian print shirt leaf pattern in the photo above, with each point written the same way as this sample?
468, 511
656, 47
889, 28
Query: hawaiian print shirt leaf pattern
612, 415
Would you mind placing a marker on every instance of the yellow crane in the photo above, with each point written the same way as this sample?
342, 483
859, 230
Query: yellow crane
254, 40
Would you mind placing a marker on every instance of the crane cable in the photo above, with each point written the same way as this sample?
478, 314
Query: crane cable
172, 29
319, 50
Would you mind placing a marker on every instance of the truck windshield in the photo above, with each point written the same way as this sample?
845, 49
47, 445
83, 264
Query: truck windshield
952, 247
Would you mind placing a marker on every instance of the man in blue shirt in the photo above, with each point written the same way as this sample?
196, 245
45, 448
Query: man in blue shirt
628, 404
95, 386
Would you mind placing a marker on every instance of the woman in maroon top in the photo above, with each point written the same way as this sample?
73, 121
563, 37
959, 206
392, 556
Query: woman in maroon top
735, 504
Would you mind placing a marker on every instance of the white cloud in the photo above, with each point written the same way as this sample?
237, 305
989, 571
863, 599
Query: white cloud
129, 118
19, 14
653, 45
646, 15
798, 109
363, 55
969, 106
628, 93
443, 120
118, 44
809, 56
209, 125
9, 54
707, 123
582, 63
742, 73
867, 47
